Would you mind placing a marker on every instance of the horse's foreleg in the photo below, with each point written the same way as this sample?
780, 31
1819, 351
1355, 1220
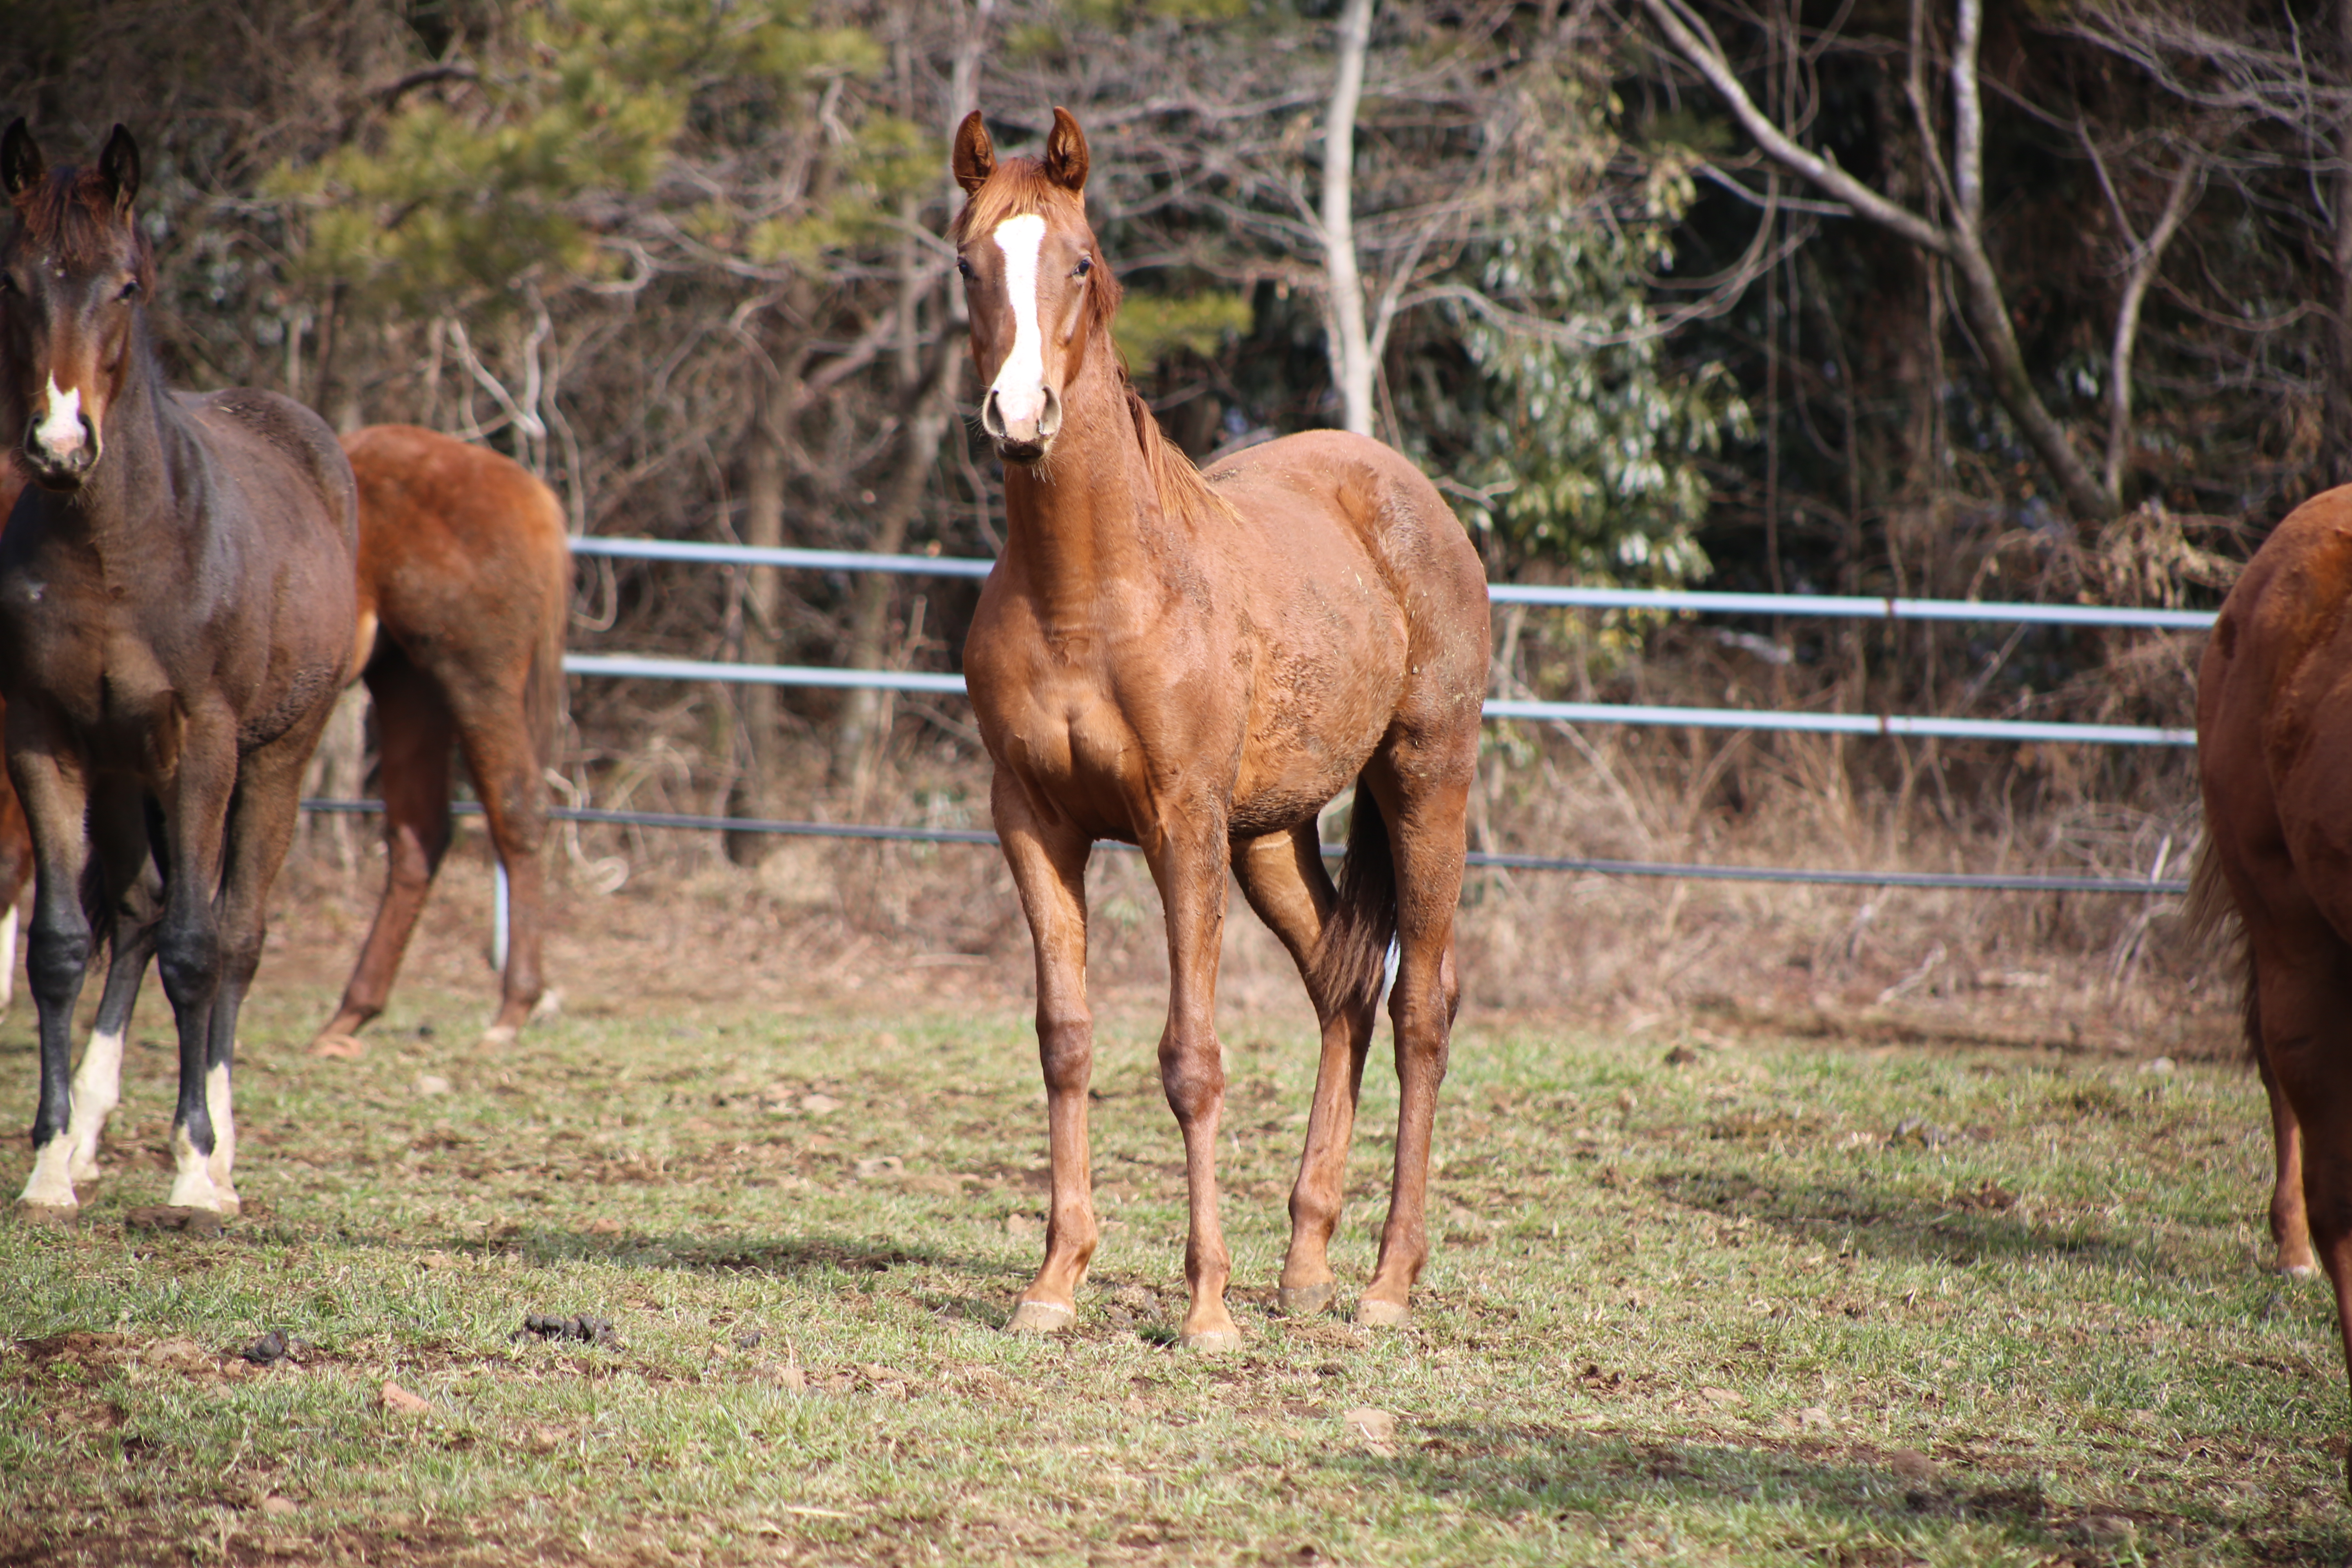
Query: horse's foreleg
1426, 830
494, 732
130, 891
1190, 873
413, 733
56, 951
1049, 869
1282, 875
188, 947
259, 828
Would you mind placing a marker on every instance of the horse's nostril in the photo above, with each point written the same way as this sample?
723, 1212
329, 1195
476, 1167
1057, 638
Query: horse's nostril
992, 419
1051, 419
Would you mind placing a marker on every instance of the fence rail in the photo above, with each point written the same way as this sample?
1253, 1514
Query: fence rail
650, 667
1921, 726
1848, 606
1967, 882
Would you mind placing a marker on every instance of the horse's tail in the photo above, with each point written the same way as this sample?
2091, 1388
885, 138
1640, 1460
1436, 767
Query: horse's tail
2211, 917
543, 687
1352, 959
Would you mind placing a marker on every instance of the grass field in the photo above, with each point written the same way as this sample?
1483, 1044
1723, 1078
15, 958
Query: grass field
1714, 1308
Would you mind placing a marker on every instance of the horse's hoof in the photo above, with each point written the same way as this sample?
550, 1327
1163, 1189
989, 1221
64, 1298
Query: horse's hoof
1213, 1341
339, 1047
1040, 1317
498, 1037
1374, 1313
2297, 1271
1306, 1301
58, 1216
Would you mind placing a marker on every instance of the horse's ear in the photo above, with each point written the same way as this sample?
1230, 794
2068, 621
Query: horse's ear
21, 165
1065, 153
118, 165
975, 156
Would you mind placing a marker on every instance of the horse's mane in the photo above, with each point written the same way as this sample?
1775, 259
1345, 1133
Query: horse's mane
1018, 187
72, 214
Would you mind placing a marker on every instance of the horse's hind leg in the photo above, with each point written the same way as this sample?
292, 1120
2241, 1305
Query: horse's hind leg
413, 733
16, 870
2290, 1229
1282, 875
129, 895
1426, 804
2305, 1009
494, 732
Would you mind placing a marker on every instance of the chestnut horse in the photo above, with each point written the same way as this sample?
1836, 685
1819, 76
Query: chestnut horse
464, 585
2273, 750
1195, 664
175, 619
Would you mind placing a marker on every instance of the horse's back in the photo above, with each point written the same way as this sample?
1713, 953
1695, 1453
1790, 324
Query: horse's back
1386, 500
2275, 721
457, 543
1288, 488
283, 458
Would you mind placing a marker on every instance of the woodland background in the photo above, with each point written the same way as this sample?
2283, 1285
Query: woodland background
2016, 298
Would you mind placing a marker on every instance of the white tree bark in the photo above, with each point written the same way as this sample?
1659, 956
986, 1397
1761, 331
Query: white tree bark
1351, 346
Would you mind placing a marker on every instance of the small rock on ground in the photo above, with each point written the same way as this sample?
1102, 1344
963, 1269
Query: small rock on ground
400, 1402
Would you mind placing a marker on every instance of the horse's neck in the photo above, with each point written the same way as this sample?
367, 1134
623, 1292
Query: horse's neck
146, 465
1077, 522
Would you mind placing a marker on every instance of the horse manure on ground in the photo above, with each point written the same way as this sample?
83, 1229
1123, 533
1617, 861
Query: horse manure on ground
582, 1329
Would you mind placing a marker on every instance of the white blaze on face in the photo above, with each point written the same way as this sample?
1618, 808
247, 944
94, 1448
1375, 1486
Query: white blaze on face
60, 433
1020, 385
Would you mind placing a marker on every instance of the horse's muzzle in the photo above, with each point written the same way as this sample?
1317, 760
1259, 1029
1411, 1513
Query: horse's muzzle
61, 466
1022, 439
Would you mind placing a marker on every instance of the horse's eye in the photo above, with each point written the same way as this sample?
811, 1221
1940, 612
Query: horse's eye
965, 268
130, 289
1086, 265
7, 284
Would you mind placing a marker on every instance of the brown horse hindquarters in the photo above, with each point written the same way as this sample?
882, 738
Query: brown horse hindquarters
2274, 754
466, 574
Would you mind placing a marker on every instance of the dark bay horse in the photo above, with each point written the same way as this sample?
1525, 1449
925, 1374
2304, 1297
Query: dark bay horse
464, 586
176, 616
1195, 664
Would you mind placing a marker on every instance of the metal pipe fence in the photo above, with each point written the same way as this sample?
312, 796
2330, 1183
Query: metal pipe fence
646, 667
1964, 882
1921, 726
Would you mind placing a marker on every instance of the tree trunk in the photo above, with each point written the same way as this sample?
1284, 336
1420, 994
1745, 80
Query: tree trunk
1352, 349
2335, 462
758, 781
